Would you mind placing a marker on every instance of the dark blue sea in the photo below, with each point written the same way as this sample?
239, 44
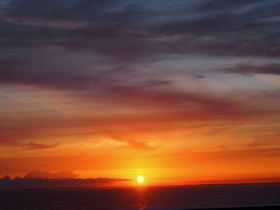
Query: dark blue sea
142, 197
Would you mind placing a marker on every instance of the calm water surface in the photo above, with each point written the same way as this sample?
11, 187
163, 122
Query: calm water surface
142, 197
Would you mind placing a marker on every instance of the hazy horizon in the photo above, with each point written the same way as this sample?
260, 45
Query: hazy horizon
68, 180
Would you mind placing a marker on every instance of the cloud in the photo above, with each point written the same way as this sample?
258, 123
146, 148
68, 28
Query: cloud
41, 22
131, 142
38, 175
151, 104
227, 18
136, 44
113, 85
33, 145
107, 85
249, 68
47, 180
137, 130
111, 31
14, 138
96, 50
48, 175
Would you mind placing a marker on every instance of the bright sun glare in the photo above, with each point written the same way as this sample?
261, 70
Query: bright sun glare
140, 179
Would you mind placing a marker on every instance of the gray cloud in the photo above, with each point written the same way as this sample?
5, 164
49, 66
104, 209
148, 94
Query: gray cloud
49, 175
249, 68
107, 28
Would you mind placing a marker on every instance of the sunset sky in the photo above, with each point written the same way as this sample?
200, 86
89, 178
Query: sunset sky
181, 91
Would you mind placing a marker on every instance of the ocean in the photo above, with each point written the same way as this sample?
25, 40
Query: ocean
174, 197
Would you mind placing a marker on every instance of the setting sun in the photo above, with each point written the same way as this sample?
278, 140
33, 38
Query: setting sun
140, 179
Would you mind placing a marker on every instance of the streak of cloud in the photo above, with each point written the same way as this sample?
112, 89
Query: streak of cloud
249, 68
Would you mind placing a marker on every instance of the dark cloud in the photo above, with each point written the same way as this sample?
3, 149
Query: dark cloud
33, 145
99, 10
249, 68
218, 5
116, 86
49, 175
200, 76
46, 180
208, 28
227, 19
14, 138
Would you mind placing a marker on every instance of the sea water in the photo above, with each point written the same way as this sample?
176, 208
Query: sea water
175, 197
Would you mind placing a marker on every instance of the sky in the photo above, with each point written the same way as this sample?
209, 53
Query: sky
177, 91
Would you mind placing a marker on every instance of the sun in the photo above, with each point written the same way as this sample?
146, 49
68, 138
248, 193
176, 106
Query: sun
140, 179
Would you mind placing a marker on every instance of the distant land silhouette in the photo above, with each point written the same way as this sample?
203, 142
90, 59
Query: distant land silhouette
45, 180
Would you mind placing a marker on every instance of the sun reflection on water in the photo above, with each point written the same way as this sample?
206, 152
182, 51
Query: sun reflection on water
141, 202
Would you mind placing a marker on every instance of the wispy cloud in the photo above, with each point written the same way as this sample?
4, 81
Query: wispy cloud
250, 68
33, 145
135, 38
